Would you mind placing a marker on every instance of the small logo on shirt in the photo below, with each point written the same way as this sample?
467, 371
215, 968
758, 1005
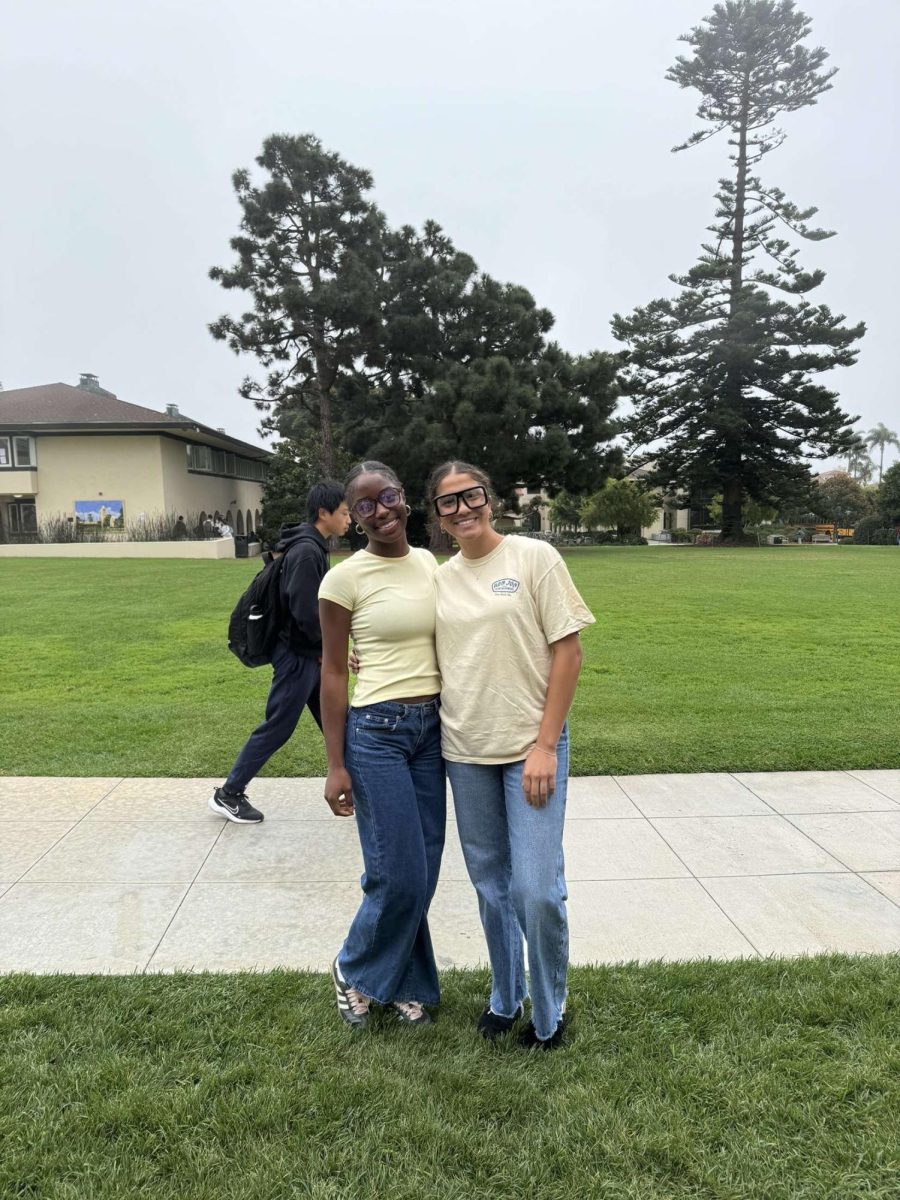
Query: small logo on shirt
505, 587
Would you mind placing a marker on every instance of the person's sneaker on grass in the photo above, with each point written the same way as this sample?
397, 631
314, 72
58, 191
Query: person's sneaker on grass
529, 1040
353, 1006
411, 1012
234, 806
490, 1026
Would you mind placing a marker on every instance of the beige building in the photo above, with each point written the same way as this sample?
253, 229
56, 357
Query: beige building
534, 512
65, 450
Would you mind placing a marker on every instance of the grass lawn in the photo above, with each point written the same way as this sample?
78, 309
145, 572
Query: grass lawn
760, 1080
701, 660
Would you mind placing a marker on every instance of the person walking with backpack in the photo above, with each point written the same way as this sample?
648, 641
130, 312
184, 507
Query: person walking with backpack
297, 653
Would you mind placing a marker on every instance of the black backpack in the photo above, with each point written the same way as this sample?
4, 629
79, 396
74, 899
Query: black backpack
258, 617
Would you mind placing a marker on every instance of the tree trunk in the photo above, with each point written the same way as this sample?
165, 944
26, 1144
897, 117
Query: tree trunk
732, 509
327, 433
732, 483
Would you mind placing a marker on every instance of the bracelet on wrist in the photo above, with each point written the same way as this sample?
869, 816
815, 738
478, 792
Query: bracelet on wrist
541, 750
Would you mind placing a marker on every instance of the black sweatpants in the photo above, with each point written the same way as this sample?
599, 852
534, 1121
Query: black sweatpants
295, 685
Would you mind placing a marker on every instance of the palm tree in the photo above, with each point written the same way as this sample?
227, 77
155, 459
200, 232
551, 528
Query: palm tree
859, 465
856, 448
882, 437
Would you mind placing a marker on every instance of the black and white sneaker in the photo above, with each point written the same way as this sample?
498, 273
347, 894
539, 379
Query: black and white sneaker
411, 1012
235, 807
352, 1005
491, 1026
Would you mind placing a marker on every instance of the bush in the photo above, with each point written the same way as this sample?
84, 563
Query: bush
682, 535
872, 531
58, 528
160, 527
604, 537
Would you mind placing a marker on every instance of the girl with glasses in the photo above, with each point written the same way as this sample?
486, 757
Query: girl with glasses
384, 751
508, 621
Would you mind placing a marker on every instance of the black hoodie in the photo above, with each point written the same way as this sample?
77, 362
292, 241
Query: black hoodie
305, 563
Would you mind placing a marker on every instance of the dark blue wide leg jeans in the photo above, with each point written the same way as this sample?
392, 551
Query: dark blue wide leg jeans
393, 755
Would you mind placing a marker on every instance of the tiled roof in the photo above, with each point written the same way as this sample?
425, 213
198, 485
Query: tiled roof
62, 404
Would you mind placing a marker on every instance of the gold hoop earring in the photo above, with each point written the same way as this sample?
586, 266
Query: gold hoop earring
359, 529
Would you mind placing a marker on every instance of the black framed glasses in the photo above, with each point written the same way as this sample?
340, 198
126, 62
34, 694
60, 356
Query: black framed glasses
474, 497
388, 497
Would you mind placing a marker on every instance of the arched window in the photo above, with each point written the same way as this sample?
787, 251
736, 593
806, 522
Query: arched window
218, 516
257, 521
239, 528
228, 519
249, 520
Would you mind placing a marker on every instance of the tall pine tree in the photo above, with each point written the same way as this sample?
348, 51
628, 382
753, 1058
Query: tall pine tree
721, 374
310, 255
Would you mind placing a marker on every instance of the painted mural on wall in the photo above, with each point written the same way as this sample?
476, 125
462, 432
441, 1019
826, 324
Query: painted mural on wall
100, 514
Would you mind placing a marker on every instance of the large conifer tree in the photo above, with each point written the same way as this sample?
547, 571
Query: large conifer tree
309, 255
721, 374
466, 370
390, 343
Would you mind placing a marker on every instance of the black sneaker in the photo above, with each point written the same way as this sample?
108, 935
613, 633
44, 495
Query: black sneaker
236, 807
491, 1026
352, 1005
529, 1040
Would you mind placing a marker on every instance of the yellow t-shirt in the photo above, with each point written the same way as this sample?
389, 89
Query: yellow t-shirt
497, 617
391, 601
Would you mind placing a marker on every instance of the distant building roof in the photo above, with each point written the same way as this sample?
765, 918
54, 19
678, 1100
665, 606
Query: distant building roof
61, 407
832, 474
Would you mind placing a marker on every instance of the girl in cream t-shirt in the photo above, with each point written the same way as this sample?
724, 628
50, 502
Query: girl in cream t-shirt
508, 619
384, 751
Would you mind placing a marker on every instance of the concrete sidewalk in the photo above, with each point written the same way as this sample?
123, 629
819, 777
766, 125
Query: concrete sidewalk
125, 875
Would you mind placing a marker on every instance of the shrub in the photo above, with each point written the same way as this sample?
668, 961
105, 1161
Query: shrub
160, 527
57, 528
872, 531
682, 535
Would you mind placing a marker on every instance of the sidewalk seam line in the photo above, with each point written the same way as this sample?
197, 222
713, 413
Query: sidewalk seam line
71, 829
731, 775
691, 874
187, 892
876, 888
876, 790
707, 892
852, 870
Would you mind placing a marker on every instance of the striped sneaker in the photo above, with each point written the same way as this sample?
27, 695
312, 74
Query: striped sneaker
352, 1005
411, 1012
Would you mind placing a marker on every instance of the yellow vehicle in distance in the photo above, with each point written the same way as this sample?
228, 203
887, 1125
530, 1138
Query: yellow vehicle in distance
829, 530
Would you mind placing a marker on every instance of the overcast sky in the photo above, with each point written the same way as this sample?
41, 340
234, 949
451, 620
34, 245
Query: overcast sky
536, 133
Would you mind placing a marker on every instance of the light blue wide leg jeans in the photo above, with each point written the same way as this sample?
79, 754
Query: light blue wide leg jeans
514, 857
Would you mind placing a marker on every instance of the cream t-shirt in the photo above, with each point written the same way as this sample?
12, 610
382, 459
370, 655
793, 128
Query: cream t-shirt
391, 601
497, 617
